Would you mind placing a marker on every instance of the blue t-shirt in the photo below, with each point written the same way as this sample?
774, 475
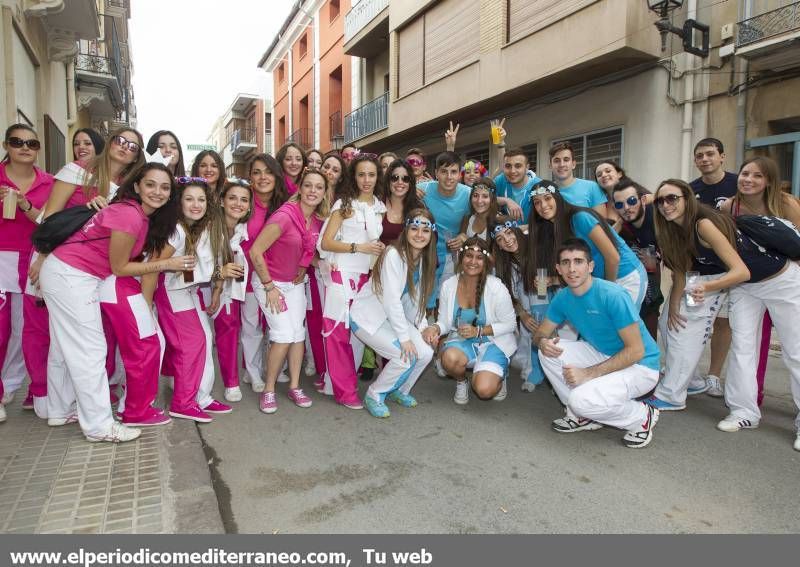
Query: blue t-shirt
447, 212
582, 225
599, 314
520, 196
583, 193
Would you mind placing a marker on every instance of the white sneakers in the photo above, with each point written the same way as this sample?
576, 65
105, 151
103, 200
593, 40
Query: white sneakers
501, 395
118, 433
461, 396
734, 423
528, 386
714, 386
797, 443
8, 397
3, 415
233, 394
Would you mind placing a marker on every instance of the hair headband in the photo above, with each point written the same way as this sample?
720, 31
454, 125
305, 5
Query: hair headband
184, 180
501, 227
417, 222
483, 186
476, 248
238, 181
542, 190
473, 165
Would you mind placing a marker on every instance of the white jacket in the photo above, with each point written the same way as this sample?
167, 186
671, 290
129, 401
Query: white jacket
496, 303
364, 225
369, 311
231, 289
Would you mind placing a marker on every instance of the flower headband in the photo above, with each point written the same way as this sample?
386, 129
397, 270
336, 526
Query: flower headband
238, 181
418, 222
483, 186
501, 227
156, 157
476, 248
184, 180
542, 190
473, 165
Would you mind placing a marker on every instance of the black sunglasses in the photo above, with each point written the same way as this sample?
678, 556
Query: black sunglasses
631, 201
17, 143
403, 178
668, 200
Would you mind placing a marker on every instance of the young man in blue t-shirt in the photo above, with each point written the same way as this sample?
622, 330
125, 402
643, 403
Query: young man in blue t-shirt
599, 377
448, 202
514, 185
578, 192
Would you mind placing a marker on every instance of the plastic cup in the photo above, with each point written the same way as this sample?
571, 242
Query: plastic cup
692, 279
541, 282
188, 276
495, 134
10, 204
240, 278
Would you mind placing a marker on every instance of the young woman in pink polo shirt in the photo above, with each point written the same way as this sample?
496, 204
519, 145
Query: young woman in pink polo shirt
281, 255
293, 161
28, 187
140, 219
269, 193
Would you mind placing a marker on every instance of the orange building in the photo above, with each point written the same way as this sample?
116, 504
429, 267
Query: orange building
311, 76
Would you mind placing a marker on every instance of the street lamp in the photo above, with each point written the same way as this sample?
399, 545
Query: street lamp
686, 33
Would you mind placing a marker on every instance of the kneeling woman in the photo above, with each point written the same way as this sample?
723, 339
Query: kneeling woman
281, 255
140, 219
388, 313
476, 307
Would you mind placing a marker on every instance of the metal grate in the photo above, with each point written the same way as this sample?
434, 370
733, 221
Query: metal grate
54, 145
768, 24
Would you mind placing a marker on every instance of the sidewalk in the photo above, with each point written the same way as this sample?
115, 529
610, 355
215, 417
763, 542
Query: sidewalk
53, 481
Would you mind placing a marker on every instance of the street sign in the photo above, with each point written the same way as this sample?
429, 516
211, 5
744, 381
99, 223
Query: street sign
201, 147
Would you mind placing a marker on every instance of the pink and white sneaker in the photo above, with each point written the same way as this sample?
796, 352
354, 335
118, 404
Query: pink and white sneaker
27, 403
193, 413
217, 407
153, 418
299, 398
267, 403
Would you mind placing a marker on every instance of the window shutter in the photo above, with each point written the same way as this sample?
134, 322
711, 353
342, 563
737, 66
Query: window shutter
410, 55
452, 37
528, 16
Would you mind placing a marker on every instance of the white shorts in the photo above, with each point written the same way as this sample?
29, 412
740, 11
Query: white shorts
287, 326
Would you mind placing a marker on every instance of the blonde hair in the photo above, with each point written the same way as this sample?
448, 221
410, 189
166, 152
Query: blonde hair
98, 171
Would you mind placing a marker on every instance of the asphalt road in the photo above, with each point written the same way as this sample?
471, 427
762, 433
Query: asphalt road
496, 467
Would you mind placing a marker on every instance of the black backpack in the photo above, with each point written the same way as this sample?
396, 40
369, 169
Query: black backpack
58, 227
773, 233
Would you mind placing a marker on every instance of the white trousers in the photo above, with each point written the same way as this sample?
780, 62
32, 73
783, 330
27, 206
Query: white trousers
635, 284
684, 347
14, 370
398, 374
252, 338
77, 342
207, 381
781, 296
609, 399
288, 326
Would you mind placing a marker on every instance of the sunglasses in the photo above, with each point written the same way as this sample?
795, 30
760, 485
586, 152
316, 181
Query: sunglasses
630, 201
17, 143
185, 180
415, 162
367, 155
403, 178
121, 141
668, 200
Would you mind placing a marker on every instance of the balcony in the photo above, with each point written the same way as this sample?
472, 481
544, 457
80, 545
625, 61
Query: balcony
370, 118
336, 130
366, 28
117, 8
243, 140
99, 88
770, 40
303, 137
65, 23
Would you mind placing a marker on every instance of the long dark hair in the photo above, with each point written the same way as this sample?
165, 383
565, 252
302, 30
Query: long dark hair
97, 140
344, 179
506, 262
486, 183
544, 236
282, 154
10, 129
279, 194
164, 219
487, 267
152, 145
351, 191
220, 165
410, 199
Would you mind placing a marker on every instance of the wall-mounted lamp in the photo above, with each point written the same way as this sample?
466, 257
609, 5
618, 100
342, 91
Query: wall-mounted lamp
686, 33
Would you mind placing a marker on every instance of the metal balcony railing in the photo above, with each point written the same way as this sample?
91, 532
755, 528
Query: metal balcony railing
302, 136
116, 4
370, 118
768, 24
242, 136
360, 15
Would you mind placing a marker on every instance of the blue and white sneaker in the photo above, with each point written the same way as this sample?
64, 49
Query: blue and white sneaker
405, 400
661, 405
695, 389
377, 409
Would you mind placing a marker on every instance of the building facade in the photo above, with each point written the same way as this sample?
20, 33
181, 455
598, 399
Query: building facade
312, 77
589, 71
66, 65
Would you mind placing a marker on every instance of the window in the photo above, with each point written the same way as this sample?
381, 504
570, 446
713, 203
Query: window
529, 16
594, 148
303, 45
532, 151
54, 145
333, 10
281, 73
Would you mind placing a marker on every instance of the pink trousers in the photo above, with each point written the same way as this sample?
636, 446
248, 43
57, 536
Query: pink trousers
35, 342
227, 325
314, 321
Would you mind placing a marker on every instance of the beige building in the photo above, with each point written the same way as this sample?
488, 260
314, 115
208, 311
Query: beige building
589, 71
66, 65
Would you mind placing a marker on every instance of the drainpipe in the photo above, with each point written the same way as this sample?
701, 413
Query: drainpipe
741, 99
72, 105
687, 129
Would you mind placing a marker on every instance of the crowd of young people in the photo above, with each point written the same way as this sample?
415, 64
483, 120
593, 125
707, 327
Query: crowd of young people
315, 257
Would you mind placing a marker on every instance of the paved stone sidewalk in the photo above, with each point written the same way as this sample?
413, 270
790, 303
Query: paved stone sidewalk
53, 481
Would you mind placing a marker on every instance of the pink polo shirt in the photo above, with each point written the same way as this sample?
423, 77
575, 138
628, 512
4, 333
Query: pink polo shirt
257, 220
88, 248
15, 234
295, 246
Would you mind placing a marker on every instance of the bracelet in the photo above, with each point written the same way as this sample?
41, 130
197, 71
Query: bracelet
352, 248
217, 275
30, 206
269, 289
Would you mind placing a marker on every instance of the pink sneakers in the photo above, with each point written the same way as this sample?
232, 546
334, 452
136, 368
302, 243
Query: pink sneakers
153, 418
217, 407
27, 403
299, 398
267, 403
193, 413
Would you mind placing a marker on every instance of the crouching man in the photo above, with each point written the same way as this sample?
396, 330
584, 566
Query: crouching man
599, 377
